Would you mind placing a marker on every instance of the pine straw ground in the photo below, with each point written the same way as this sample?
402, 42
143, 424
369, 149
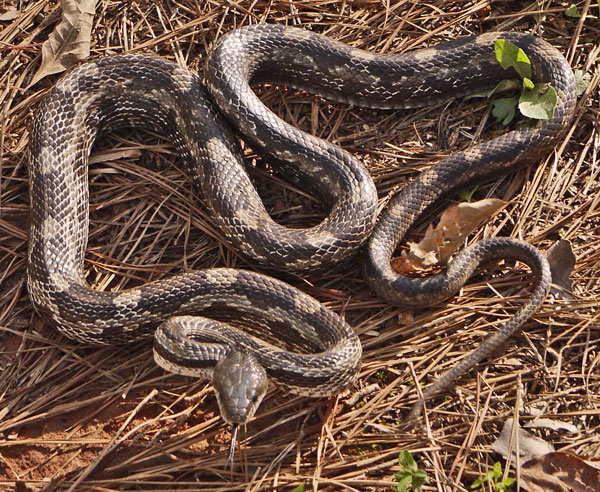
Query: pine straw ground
81, 418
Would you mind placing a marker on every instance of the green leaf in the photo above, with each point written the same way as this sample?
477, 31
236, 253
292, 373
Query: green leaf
488, 477
504, 109
572, 11
419, 478
528, 83
510, 55
582, 80
467, 194
300, 488
477, 483
401, 475
404, 483
497, 470
538, 103
492, 477
406, 461
410, 475
505, 484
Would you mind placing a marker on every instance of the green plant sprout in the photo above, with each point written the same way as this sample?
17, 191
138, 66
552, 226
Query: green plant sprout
410, 474
535, 101
493, 478
466, 195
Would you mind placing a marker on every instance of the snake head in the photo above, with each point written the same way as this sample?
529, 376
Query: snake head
240, 384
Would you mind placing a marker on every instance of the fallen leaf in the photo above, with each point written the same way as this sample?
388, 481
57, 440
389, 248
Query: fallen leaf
456, 223
559, 472
425, 253
401, 266
553, 424
9, 15
529, 445
70, 40
562, 261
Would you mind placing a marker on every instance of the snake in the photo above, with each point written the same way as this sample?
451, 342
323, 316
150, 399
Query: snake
242, 328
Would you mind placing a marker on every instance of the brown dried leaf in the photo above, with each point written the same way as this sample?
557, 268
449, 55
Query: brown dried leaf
9, 14
403, 266
562, 261
559, 472
556, 425
70, 40
529, 445
456, 223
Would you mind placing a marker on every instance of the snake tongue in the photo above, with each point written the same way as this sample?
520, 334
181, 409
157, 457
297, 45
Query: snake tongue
234, 431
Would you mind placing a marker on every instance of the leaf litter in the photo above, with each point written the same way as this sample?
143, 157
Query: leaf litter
70, 40
63, 406
441, 241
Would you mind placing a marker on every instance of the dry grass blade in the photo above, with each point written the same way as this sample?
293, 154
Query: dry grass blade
84, 419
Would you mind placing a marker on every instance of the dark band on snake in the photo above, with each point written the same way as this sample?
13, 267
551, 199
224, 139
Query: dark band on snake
291, 338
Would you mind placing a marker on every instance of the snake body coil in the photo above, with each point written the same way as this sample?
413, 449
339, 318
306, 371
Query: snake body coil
145, 91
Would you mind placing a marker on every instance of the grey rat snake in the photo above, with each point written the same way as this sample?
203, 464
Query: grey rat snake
251, 320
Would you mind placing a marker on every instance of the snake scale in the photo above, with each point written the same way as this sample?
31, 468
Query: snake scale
247, 326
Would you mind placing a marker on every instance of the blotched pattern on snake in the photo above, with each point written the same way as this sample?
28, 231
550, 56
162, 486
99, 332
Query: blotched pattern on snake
250, 320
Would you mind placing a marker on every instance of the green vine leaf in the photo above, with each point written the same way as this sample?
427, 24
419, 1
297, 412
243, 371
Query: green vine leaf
504, 109
410, 475
510, 55
573, 11
582, 80
466, 195
539, 102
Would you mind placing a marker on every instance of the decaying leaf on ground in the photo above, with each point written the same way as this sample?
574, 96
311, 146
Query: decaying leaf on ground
559, 472
441, 241
70, 40
9, 14
529, 445
552, 424
542, 468
562, 261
